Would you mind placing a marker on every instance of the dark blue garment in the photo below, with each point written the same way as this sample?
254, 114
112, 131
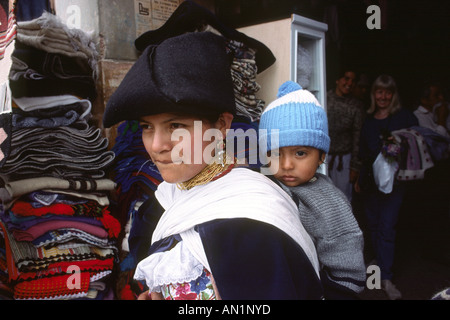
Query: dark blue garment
254, 260
381, 209
56, 65
249, 260
31, 9
382, 212
143, 225
370, 141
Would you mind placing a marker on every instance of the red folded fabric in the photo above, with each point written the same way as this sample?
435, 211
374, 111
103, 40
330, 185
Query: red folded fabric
111, 224
89, 209
13, 272
60, 267
23, 208
52, 287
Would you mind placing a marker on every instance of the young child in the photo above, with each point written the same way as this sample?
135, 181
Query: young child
324, 210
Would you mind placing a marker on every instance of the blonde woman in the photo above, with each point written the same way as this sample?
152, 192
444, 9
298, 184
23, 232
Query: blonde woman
384, 116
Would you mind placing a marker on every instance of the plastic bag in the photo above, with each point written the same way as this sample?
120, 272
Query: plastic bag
384, 173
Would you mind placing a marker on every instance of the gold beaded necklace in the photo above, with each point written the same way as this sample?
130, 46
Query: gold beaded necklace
203, 177
211, 171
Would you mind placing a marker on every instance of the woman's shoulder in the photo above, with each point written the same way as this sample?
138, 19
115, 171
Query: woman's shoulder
402, 112
251, 177
406, 117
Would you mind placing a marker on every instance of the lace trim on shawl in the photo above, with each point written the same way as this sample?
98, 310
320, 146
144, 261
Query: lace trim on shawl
177, 265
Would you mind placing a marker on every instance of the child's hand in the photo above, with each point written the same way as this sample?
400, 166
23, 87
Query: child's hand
150, 296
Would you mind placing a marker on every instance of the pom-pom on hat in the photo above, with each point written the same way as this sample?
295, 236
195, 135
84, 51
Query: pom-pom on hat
298, 116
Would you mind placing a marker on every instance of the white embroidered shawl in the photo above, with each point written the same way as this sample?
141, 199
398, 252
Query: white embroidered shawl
242, 193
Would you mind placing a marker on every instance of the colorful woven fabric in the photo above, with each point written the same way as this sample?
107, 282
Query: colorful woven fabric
65, 235
37, 230
23, 256
91, 265
23, 208
415, 158
88, 209
56, 287
199, 289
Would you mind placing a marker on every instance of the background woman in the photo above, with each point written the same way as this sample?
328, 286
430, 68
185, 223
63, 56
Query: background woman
382, 210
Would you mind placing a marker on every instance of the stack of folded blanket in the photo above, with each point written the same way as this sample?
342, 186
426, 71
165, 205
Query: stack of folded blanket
58, 236
51, 59
243, 73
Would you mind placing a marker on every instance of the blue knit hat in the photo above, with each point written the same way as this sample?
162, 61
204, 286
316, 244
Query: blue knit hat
298, 116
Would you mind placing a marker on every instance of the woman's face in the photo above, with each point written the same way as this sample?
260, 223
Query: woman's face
345, 84
383, 98
176, 144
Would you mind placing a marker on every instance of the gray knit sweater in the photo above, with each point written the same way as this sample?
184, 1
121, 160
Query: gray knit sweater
328, 218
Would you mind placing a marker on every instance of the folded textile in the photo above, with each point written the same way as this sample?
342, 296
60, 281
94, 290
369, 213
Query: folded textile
47, 63
55, 237
55, 205
14, 189
41, 198
415, 157
92, 266
16, 222
52, 288
132, 164
50, 34
35, 213
438, 145
29, 104
84, 138
135, 174
101, 197
243, 71
81, 109
45, 86
21, 121
38, 162
28, 258
39, 229
56, 141
87, 209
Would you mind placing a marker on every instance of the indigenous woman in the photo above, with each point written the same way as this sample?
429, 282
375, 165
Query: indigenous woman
225, 232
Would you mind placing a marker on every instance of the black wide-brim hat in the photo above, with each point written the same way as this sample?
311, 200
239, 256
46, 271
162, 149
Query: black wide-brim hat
187, 74
190, 17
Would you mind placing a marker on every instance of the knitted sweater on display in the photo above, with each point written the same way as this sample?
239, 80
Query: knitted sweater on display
328, 218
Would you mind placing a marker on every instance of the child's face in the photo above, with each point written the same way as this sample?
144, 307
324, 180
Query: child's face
296, 165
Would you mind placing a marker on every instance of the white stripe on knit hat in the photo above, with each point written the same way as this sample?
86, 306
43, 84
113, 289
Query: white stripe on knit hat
299, 96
